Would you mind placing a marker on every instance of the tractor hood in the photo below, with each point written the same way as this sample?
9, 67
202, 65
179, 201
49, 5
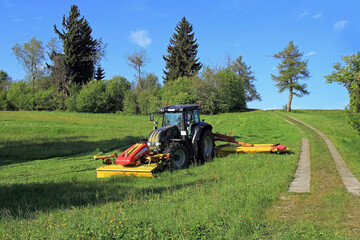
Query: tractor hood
160, 138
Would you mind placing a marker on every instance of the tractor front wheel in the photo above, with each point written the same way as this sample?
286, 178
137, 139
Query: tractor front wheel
179, 156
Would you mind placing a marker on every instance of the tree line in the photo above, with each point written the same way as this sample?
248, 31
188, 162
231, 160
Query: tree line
74, 79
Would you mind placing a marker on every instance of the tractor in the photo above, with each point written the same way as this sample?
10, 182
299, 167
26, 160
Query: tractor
182, 135
182, 139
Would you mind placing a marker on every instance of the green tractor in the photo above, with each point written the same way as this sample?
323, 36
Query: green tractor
182, 135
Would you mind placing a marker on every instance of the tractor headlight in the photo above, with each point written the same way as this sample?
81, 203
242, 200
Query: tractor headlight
156, 144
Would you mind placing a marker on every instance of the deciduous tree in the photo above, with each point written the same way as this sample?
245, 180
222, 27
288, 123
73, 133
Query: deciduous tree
348, 75
31, 55
291, 70
138, 60
181, 60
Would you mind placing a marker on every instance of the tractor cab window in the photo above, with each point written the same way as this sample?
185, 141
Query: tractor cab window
172, 118
196, 116
191, 117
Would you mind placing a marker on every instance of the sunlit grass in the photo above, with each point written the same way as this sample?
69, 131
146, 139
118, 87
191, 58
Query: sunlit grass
59, 197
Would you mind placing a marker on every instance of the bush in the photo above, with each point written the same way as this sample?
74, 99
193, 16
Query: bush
92, 97
353, 119
21, 96
149, 102
178, 91
115, 93
130, 103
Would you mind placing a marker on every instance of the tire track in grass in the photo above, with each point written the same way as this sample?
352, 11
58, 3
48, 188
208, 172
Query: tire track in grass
327, 208
301, 182
351, 184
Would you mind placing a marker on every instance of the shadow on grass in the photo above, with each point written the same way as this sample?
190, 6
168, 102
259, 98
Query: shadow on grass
23, 200
20, 152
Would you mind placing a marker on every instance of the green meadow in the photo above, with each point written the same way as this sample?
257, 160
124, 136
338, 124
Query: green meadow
49, 188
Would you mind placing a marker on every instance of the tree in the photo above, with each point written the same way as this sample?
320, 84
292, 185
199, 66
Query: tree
138, 60
99, 74
247, 77
291, 70
231, 91
81, 50
348, 75
31, 56
5, 81
57, 69
181, 60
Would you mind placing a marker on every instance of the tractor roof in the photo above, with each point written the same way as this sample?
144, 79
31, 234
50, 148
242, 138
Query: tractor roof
180, 108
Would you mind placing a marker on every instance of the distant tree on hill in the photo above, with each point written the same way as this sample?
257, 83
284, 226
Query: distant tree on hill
99, 74
247, 77
181, 60
81, 50
31, 56
291, 70
348, 75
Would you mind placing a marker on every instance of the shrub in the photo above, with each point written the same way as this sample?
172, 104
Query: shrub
92, 98
115, 93
21, 96
178, 91
130, 103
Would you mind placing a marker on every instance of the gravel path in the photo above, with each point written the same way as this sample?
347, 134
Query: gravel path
351, 184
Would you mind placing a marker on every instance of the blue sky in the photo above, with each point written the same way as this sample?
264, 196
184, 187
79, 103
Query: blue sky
323, 30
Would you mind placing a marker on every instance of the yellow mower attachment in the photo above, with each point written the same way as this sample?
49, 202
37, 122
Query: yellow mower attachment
224, 150
145, 170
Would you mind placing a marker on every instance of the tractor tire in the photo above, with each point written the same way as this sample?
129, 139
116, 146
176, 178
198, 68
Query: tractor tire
179, 156
206, 146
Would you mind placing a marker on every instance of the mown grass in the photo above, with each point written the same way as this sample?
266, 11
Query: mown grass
46, 196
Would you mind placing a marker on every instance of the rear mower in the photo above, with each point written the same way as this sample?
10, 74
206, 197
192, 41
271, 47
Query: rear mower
181, 139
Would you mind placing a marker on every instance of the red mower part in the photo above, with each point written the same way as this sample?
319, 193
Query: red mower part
279, 148
131, 155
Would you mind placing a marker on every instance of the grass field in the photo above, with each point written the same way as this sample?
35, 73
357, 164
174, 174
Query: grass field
49, 188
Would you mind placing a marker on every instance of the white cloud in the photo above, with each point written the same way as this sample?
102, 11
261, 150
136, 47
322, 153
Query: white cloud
18, 20
303, 14
317, 15
140, 37
310, 54
340, 25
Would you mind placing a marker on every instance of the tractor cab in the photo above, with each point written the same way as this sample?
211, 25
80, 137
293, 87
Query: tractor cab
185, 117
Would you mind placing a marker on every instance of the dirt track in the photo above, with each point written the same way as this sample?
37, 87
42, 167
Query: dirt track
351, 184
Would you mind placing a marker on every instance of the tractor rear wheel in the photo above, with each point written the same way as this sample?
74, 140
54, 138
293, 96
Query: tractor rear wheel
206, 146
179, 156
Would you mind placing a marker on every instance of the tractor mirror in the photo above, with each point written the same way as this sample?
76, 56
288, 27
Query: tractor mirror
151, 117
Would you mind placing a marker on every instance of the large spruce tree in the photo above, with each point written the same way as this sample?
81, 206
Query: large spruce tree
291, 70
80, 48
181, 60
